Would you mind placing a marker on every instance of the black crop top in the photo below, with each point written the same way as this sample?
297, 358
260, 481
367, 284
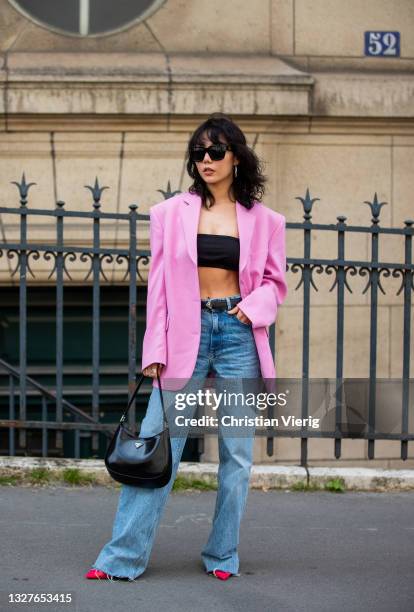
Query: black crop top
218, 251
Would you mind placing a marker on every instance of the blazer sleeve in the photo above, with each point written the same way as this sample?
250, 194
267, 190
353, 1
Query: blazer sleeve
261, 305
154, 348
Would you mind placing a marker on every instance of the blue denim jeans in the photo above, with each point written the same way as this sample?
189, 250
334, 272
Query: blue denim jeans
228, 350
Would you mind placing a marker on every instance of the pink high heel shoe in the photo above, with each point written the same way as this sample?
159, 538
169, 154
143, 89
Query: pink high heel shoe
220, 574
95, 574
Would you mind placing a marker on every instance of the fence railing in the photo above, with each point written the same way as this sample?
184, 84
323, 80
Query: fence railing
342, 269
96, 257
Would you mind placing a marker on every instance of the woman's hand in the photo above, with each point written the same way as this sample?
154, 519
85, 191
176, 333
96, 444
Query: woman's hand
151, 370
240, 315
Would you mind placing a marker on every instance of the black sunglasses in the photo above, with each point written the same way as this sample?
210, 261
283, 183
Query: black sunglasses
216, 152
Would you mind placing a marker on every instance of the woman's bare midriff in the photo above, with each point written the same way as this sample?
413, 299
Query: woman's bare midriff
217, 282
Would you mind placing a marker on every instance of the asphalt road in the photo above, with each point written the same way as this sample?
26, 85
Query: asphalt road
308, 552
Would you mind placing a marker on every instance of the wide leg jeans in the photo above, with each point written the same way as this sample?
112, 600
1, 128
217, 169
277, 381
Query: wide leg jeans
228, 350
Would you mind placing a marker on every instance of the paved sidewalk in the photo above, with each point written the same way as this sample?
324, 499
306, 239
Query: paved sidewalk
262, 476
299, 552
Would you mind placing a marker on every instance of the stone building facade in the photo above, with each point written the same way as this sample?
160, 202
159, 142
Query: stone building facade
293, 73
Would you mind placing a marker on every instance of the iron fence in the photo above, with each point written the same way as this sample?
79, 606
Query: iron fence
23, 252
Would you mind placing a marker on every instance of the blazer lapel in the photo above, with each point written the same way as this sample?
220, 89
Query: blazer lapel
190, 216
246, 220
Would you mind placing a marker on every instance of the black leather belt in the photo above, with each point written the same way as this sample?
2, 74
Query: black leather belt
225, 303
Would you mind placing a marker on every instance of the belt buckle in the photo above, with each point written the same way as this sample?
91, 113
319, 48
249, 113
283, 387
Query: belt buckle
208, 304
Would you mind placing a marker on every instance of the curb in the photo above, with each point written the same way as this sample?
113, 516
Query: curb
262, 476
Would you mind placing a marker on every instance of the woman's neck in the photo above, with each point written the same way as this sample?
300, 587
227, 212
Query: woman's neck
221, 194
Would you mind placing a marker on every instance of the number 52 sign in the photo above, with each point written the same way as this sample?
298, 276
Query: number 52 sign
385, 44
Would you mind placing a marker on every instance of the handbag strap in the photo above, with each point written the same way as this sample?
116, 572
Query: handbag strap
124, 416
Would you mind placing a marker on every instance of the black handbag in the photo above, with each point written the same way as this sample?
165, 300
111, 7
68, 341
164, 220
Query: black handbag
141, 462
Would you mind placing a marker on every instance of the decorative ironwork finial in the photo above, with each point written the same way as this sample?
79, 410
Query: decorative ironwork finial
96, 191
307, 203
168, 194
375, 208
23, 188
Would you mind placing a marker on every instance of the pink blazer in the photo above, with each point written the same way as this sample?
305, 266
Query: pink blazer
173, 326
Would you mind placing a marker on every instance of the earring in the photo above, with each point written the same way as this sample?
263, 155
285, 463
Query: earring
235, 170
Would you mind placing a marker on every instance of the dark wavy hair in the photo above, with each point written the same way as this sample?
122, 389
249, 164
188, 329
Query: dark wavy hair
248, 185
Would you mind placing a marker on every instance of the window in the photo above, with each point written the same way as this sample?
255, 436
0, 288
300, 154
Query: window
86, 17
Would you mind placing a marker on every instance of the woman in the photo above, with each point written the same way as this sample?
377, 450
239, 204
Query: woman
216, 278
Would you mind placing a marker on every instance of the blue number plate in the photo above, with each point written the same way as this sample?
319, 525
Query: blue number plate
382, 44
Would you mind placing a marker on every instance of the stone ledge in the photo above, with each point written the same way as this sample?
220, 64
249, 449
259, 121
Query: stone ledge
152, 83
157, 84
152, 67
